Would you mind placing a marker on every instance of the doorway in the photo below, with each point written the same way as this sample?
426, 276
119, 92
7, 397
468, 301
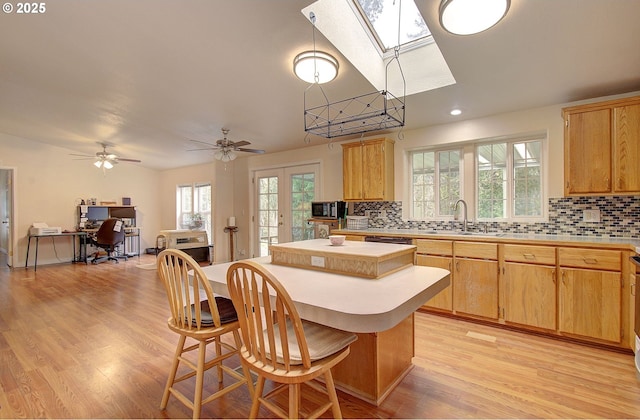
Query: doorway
7, 199
283, 199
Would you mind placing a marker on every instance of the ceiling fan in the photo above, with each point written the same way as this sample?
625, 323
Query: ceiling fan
104, 159
225, 148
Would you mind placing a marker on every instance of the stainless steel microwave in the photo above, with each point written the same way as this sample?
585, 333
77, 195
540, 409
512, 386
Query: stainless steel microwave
328, 209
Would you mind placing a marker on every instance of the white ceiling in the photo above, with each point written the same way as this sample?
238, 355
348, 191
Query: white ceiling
148, 75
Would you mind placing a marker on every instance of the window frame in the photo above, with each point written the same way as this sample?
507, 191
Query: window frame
207, 216
510, 141
469, 189
438, 216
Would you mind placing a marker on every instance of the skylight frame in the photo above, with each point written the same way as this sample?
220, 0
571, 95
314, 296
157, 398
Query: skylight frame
376, 39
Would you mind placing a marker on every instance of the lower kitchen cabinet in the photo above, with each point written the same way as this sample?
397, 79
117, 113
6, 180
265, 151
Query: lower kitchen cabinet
475, 289
589, 304
475, 285
444, 299
530, 295
529, 286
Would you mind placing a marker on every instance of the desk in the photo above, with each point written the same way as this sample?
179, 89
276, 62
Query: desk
82, 236
380, 311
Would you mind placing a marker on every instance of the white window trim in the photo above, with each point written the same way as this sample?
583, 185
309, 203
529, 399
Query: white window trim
469, 188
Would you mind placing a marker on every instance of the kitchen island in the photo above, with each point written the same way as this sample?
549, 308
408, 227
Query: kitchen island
379, 310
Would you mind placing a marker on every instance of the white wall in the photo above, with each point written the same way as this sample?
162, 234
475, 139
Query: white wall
49, 184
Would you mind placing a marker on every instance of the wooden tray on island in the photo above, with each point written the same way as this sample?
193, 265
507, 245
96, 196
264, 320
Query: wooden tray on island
370, 260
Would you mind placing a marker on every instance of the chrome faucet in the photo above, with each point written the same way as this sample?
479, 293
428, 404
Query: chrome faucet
455, 209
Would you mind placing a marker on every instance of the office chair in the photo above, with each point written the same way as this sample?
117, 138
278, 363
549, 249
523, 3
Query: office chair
279, 346
108, 237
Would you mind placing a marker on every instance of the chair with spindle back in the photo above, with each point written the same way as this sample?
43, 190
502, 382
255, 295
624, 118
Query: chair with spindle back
198, 315
281, 347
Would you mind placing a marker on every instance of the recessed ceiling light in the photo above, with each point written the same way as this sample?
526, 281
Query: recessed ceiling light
455, 112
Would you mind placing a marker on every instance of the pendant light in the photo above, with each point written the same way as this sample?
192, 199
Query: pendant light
315, 66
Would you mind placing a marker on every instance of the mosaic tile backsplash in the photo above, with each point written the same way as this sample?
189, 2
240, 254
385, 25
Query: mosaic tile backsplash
619, 217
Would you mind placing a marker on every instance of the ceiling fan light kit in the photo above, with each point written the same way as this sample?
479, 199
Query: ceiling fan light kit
468, 17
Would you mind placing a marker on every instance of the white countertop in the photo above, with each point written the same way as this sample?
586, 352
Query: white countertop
349, 303
360, 248
425, 233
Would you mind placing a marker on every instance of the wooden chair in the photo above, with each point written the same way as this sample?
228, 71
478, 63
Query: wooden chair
279, 346
196, 314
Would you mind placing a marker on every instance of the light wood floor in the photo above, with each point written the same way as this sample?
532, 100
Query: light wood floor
84, 341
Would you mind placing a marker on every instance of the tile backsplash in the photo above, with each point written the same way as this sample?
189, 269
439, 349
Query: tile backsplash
619, 217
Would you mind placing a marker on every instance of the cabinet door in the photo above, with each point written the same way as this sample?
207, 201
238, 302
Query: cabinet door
588, 152
444, 299
373, 171
530, 295
589, 303
626, 148
475, 287
352, 172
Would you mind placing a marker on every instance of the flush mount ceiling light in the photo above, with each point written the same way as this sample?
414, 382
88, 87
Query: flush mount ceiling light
467, 17
315, 66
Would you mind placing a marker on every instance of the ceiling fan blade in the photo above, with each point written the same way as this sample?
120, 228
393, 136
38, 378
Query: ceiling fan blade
203, 142
127, 160
237, 144
84, 156
203, 149
241, 149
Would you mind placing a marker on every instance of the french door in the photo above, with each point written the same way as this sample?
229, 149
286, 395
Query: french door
283, 205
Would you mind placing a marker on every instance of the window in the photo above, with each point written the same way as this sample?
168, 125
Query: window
381, 17
303, 188
194, 207
436, 183
510, 180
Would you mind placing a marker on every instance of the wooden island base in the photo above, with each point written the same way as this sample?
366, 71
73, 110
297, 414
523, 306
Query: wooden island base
377, 362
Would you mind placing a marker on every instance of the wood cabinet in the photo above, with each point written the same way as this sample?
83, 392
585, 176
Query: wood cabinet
475, 285
602, 148
367, 168
590, 294
437, 253
529, 286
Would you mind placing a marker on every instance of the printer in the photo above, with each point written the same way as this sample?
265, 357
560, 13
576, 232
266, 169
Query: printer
40, 228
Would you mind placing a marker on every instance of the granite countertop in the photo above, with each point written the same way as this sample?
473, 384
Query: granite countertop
600, 241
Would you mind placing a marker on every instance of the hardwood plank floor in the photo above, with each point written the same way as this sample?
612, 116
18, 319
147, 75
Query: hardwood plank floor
85, 341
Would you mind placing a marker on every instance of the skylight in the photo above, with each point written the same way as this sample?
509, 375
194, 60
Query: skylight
382, 18
423, 65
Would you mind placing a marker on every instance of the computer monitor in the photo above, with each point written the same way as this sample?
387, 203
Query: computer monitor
97, 213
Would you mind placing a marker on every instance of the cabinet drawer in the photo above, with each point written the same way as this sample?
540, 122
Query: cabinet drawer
590, 258
530, 254
476, 250
434, 247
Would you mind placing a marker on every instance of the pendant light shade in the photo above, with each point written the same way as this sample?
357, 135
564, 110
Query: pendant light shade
467, 17
308, 64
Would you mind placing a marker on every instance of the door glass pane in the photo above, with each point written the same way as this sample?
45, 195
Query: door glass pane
267, 213
302, 193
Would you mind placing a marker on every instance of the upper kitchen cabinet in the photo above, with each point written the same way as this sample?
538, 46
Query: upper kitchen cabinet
367, 168
602, 148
